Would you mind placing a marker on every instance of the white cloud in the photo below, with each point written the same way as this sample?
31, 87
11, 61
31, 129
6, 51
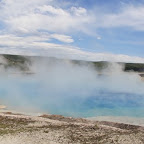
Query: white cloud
31, 25
36, 15
129, 16
98, 37
79, 11
11, 44
63, 38
27, 41
53, 10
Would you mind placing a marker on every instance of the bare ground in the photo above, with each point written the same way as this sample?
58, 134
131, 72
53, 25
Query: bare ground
54, 129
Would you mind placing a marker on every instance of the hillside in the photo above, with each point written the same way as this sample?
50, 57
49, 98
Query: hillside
23, 63
14, 61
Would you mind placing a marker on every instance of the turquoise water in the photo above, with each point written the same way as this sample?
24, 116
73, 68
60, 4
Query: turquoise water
32, 94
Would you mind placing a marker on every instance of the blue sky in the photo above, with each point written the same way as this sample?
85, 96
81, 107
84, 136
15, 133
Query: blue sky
77, 29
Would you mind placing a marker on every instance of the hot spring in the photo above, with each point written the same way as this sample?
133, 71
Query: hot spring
74, 90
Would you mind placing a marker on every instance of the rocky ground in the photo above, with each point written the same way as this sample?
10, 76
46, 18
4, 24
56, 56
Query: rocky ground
54, 129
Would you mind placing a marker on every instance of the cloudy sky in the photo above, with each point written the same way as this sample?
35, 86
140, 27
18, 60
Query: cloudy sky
77, 29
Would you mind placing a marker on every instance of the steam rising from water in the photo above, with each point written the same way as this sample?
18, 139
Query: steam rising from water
74, 90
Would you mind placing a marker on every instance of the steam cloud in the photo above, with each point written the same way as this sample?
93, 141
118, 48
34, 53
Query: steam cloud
75, 90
